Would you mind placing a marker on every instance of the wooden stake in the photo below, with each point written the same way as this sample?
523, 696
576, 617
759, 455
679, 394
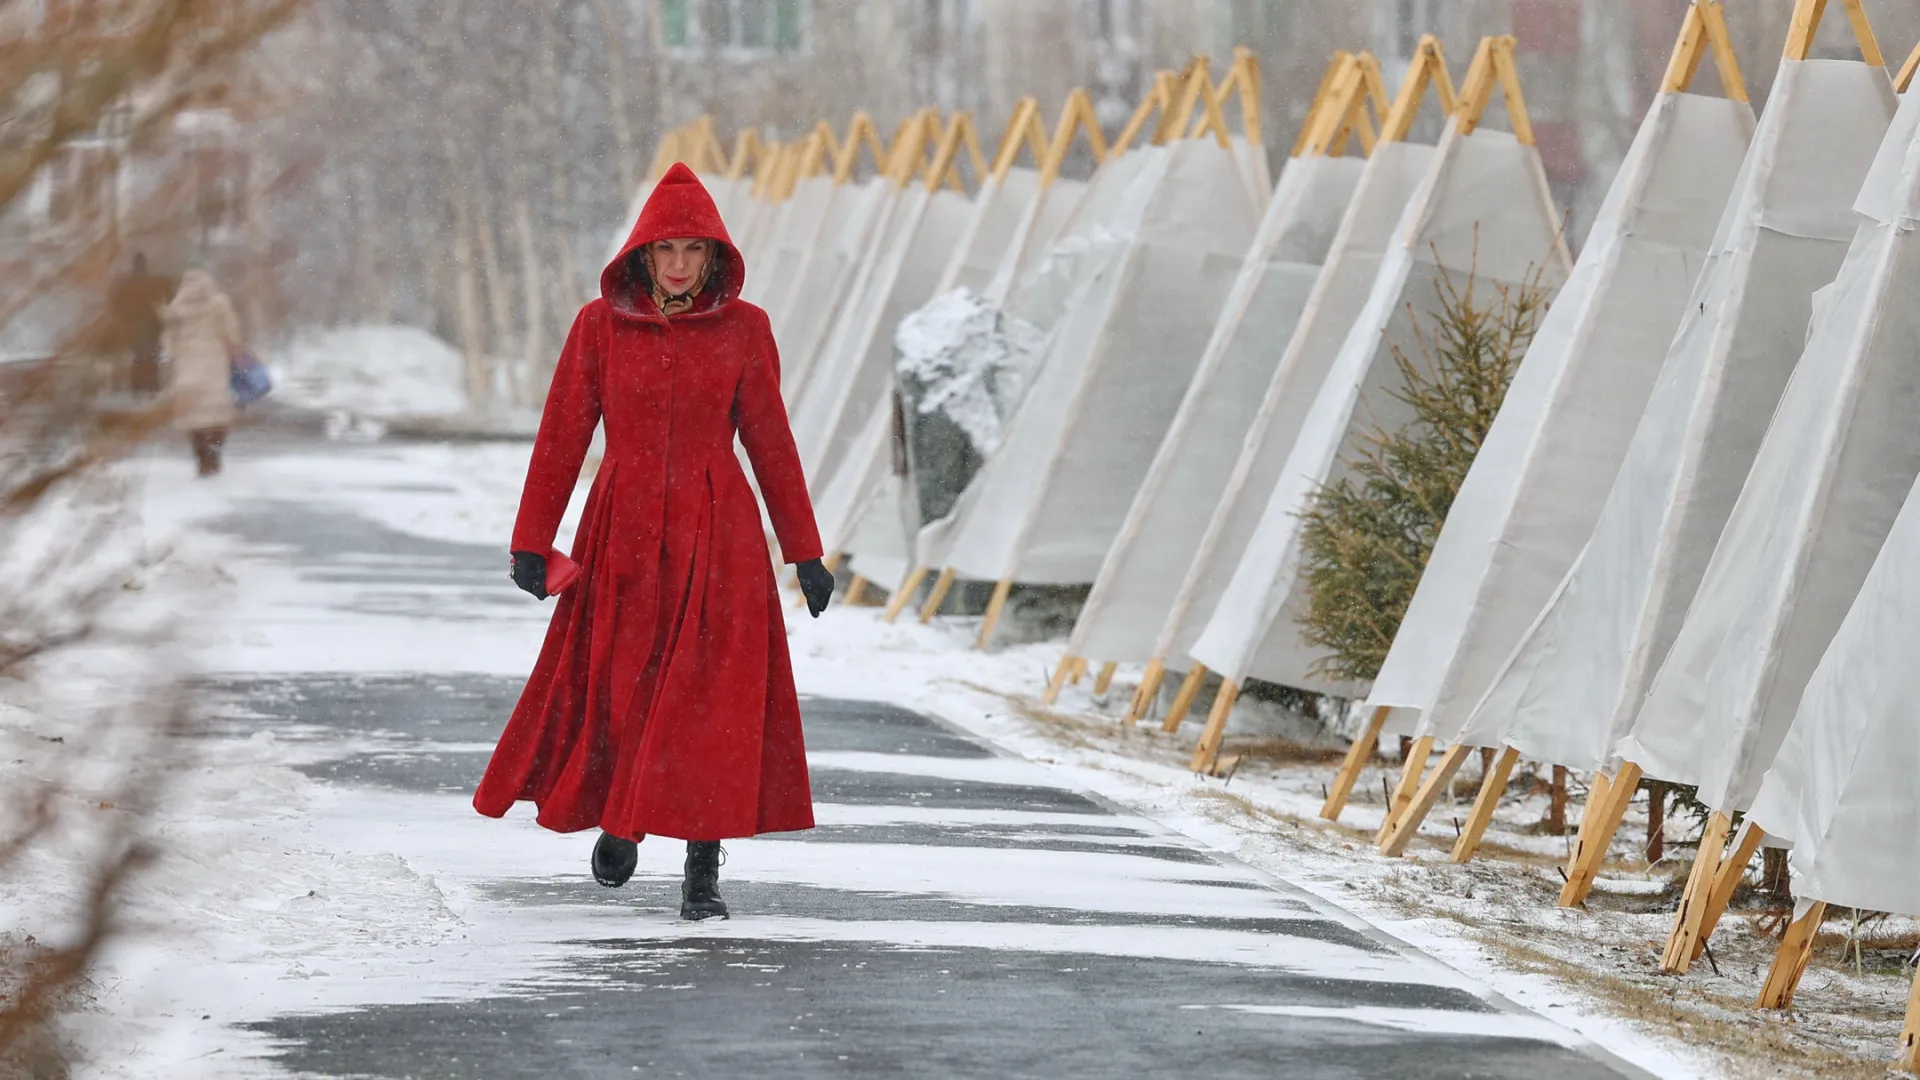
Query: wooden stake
856, 590
1427, 68
1079, 670
1590, 850
1909, 1059
1059, 680
1694, 923
1494, 786
1207, 751
1357, 757
1104, 680
994, 604
1416, 764
1806, 21
1183, 701
1783, 978
1696, 898
904, 594
1431, 788
1322, 97
941, 586
1146, 692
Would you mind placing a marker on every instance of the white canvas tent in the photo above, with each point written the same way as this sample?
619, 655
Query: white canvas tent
829, 269
1529, 501
1388, 179
1578, 677
1483, 213
1163, 527
1047, 504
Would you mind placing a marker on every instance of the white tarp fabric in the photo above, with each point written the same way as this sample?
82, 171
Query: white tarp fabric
1089, 239
1576, 680
1048, 505
796, 230
1837, 462
1483, 210
855, 373
1842, 786
1001, 211
1379, 199
1133, 592
1518, 522
829, 269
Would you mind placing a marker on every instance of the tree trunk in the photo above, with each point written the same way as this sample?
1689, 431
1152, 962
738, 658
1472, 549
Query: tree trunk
524, 390
466, 298
1557, 808
1775, 875
1656, 819
626, 153
499, 302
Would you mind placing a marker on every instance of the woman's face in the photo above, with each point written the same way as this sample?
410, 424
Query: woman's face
677, 263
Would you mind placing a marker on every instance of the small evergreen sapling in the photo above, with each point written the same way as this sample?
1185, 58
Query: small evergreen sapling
1367, 535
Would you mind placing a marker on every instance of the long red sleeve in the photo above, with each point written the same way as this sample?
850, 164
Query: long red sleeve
566, 431
761, 417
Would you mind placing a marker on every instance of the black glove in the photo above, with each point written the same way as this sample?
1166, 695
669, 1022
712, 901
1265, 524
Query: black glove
816, 584
530, 573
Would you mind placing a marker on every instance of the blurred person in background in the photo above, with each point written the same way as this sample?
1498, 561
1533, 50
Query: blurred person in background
663, 700
200, 337
135, 301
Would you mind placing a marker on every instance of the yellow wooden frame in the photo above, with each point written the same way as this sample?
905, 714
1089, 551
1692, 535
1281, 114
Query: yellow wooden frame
1342, 113
944, 167
1077, 116
1158, 99
747, 148
1493, 66
1905, 78
1243, 82
1806, 22
1025, 129
860, 134
1705, 25
1428, 68
1321, 95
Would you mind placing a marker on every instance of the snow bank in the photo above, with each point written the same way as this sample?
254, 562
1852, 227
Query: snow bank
378, 372
963, 358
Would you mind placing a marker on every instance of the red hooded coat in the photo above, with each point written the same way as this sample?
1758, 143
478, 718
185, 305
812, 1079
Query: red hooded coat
663, 699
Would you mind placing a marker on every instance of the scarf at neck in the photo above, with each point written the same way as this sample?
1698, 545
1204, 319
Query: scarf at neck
669, 304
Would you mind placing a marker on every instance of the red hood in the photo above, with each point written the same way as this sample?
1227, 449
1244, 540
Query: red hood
679, 208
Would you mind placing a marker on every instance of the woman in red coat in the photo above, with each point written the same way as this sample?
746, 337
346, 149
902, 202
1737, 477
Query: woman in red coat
663, 700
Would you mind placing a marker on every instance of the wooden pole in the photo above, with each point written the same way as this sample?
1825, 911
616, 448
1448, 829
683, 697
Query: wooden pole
1590, 851
904, 594
1183, 701
1491, 788
1790, 962
1700, 910
1357, 757
1059, 680
994, 606
1431, 788
1206, 753
941, 586
1104, 680
1146, 692
1416, 764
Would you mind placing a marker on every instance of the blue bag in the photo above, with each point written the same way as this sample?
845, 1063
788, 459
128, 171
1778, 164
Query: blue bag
249, 379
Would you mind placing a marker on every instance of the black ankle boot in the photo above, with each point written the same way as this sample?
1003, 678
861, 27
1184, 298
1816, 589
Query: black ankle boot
700, 893
614, 859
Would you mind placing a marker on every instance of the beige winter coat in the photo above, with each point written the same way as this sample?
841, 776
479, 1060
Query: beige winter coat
200, 338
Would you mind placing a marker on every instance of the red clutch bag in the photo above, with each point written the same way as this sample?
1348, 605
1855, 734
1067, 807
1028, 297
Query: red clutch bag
561, 573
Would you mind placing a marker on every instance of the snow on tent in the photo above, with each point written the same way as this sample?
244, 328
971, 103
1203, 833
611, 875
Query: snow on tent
907, 253
1517, 523
1131, 596
1046, 506
1052, 273
829, 248
1837, 462
1576, 681
1392, 172
1482, 218
869, 505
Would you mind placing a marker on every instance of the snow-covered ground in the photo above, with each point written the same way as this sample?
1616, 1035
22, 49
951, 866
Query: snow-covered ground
276, 892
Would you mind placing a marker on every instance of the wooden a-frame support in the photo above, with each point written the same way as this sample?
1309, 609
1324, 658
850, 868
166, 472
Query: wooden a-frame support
1790, 962
1353, 764
1909, 1057
1596, 835
1710, 884
1428, 68
1703, 29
